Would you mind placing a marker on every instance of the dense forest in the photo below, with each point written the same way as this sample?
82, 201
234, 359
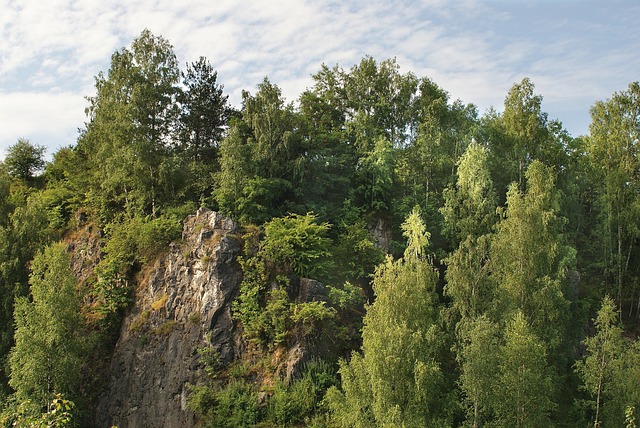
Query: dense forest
481, 269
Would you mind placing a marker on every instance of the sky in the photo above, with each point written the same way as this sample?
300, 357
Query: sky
576, 52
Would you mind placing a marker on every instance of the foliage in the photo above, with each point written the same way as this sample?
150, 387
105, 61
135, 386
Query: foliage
24, 159
48, 347
524, 378
609, 370
295, 403
130, 243
297, 242
58, 414
469, 209
528, 229
234, 406
398, 379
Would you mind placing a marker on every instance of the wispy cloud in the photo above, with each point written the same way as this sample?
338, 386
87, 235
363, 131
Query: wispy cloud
575, 52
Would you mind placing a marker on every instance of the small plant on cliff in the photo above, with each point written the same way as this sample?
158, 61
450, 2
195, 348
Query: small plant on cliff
293, 244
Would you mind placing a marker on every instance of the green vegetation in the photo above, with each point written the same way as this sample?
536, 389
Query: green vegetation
455, 268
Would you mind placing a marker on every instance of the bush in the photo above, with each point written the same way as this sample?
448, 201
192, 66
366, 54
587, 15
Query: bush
299, 243
236, 406
298, 402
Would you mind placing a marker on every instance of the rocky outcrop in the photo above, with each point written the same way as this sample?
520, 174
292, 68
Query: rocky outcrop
181, 301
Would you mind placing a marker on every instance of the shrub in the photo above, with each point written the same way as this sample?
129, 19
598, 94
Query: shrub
299, 243
236, 406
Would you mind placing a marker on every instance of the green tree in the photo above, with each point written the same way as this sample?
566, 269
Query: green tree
47, 354
525, 387
379, 103
478, 359
376, 175
330, 160
28, 230
204, 116
613, 150
441, 131
204, 111
260, 160
470, 204
530, 258
603, 349
398, 380
131, 122
24, 159
469, 282
609, 371
297, 243
522, 134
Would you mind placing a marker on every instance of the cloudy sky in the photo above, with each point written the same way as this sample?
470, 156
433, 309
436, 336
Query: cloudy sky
575, 51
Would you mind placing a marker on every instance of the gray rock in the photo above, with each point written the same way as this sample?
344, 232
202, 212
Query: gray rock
185, 297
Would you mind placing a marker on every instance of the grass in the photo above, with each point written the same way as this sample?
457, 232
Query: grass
158, 304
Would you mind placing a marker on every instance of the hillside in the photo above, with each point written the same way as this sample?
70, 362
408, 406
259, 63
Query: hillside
374, 254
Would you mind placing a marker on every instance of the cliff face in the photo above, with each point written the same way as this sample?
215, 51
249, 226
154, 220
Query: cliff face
185, 297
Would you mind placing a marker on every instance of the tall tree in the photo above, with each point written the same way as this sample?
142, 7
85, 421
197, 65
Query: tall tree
609, 370
330, 160
603, 349
261, 159
398, 381
131, 121
439, 133
613, 149
525, 387
46, 357
478, 359
522, 134
204, 111
470, 205
203, 120
530, 258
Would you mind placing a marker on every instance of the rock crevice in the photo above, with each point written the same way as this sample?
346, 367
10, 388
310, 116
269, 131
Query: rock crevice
183, 299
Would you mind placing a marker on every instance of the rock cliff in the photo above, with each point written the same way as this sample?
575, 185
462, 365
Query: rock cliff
183, 298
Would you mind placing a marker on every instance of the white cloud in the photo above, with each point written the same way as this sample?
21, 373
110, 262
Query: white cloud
49, 119
475, 49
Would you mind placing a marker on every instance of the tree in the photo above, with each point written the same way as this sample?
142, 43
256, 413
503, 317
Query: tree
298, 243
530, 258
330, 160
478, 362
397, 381
438, 133
524, 380
204, 111
376, 175
27, 231
379, 103
603, 350
261, 162
24, 159
469, 282
131, 121
522, 134
609, 371
613, 149
470, 205
46, 357
202, 123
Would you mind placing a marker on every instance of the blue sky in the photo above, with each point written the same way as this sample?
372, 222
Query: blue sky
575, 52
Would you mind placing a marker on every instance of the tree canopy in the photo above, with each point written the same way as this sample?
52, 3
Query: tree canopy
468, 268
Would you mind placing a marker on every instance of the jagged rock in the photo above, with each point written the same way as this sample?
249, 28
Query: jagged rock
182, 299
310, 290
382, 234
